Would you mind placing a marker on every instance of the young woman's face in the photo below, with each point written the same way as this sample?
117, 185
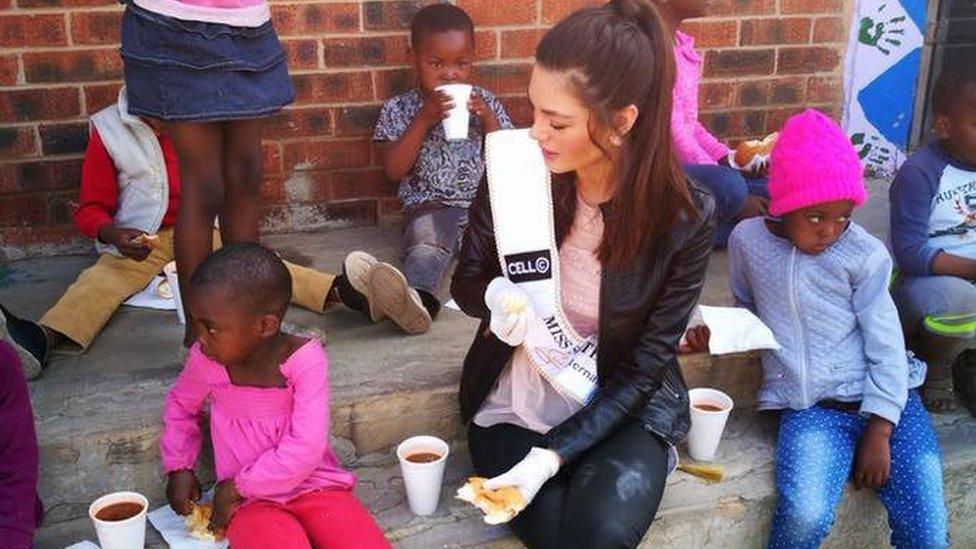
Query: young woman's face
815, 228
444, 58
561, 123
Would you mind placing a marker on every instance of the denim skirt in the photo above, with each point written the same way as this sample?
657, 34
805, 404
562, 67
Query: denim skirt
191, 71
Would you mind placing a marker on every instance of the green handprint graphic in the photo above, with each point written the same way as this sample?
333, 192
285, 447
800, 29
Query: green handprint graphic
874, 153
882, 34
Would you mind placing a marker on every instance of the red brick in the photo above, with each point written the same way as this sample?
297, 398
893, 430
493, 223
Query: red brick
273, 189
374, 51
739, 8
788, 30
735, 123
18, 142
738, 62
811, 6
714, 95
326, 154
61, 208
22, 210
314, 19
305, 186
34, 31
752, 93
271, 157
508, 12
519, 110
64, 138
712, 34
332, 88
806, 60
507, 78
359, 120
64, 3
555, 10
28, 239
300, 122
393, 82
485, 45
46, 175
824, 89
96, 28
829, 29
788, 91
368, 183
520, 43
302, 54
391, 15
73, 66
39, 104
99, 96
9, 69
775, 118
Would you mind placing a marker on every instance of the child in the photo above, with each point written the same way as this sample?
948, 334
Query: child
279, 484
850, 410
20, 508
438, 179
738, 195
212, 70
933, 235
130, 186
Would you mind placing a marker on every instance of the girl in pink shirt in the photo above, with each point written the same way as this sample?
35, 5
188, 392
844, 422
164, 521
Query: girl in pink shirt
704, 158
278, 482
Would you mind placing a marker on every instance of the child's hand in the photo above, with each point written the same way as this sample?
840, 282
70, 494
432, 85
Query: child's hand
437, 106
695, 340
872, 468
479, 108
124, 240
182, 489
226, 501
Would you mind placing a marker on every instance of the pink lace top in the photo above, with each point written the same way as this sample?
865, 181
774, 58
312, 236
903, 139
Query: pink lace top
692, 141
522, 396
274, 442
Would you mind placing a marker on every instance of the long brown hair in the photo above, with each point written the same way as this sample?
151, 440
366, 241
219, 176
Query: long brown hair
618, 55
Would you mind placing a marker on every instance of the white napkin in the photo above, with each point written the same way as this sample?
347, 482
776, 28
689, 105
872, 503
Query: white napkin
733, 330
149, 299
173, 529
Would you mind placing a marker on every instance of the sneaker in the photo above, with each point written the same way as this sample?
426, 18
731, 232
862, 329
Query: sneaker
391, 294
353, 286
964, 379
28, 339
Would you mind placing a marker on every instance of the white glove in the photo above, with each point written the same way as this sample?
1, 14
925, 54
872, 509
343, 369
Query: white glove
511, 311
530, 474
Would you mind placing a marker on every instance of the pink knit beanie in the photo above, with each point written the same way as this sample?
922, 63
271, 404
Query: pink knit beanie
813, 162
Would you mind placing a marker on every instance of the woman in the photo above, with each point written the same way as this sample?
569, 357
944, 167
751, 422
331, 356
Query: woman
633, 243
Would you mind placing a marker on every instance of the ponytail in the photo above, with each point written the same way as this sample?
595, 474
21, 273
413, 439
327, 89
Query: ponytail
618, 55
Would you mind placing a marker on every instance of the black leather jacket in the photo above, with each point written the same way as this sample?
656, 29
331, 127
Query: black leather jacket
644, 310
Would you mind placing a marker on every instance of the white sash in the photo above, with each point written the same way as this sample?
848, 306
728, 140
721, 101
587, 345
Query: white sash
521, 203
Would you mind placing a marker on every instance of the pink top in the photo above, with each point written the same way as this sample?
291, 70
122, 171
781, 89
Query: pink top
692, 141
274, 442
522, 396
236, 13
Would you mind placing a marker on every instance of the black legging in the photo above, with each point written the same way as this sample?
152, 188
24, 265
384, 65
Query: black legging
606, 498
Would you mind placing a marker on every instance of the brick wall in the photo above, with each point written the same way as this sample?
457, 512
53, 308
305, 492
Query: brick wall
764, 59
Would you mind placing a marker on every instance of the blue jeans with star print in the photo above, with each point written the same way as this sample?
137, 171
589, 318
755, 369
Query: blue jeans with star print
814, 459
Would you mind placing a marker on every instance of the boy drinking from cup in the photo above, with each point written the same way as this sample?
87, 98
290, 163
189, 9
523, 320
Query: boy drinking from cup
438, 177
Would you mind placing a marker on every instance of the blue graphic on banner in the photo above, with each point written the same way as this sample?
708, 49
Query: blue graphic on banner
888, 100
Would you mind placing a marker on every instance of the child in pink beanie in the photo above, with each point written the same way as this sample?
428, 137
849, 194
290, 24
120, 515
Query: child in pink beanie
846, 388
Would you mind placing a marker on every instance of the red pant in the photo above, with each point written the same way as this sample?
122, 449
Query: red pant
329, 519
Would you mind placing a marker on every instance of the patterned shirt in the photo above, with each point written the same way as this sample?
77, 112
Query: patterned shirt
446, 172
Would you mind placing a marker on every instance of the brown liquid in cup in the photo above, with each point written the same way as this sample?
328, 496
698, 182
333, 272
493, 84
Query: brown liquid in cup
119, 511
706, 407
423, 457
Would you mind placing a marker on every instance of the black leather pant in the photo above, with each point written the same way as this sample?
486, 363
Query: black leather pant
606, 498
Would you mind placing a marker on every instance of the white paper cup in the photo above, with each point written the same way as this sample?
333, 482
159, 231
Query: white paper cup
456, 124
120, 534
707, 426
422, 480
174, 285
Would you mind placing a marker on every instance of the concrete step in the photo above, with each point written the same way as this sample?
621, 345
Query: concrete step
733, 513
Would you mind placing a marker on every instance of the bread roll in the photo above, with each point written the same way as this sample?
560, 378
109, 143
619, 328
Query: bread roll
150, 241
499, 506
748, 151
198, 523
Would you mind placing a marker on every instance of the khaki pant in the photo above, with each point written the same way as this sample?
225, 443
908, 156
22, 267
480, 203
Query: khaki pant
90, 302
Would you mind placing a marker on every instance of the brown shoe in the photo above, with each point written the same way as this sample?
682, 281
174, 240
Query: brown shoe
391, 294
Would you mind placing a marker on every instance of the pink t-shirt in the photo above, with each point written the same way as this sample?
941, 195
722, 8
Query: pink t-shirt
236, 13
692, 141
522, 396
274, 442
